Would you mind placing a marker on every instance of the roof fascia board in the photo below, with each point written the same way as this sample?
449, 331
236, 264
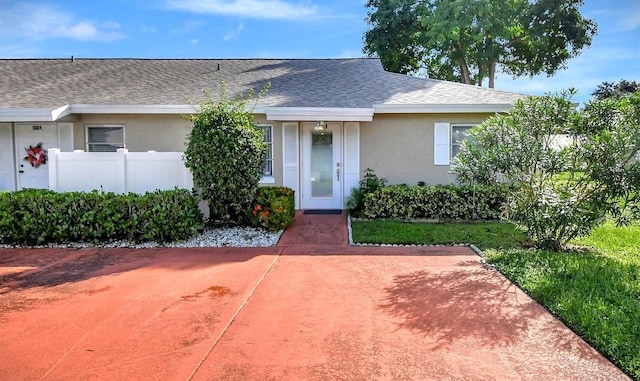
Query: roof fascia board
26, 115
441, 108
131, 109
328, 114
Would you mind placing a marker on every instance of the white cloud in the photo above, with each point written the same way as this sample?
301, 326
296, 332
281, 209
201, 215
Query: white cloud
39, 22
259, 9
194, 41
234, 33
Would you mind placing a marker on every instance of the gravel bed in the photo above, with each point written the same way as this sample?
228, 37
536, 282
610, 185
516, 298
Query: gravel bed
210, 237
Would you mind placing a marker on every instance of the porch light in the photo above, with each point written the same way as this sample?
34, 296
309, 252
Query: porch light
320, 126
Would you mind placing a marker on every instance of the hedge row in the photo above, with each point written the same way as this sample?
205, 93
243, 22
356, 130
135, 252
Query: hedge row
442, 202
273, 209
35, 217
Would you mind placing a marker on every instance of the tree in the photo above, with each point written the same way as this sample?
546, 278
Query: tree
615, 90
469, 40
226, 154
562, 191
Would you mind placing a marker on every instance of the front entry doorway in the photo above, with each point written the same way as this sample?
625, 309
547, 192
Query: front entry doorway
322, 167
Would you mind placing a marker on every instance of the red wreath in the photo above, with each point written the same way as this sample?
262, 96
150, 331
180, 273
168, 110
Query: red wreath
37, 156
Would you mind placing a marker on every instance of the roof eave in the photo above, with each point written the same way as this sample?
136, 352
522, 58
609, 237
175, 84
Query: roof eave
450, 108
327, 114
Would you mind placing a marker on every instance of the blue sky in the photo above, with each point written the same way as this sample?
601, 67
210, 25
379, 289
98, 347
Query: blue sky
274, 29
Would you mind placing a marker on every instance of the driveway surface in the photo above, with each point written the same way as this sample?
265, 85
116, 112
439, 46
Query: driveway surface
312, 312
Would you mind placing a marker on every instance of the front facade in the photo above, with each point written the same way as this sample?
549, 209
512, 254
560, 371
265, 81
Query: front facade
326, 121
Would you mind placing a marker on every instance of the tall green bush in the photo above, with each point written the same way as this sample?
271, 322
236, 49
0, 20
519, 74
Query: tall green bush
226, 154
562, 191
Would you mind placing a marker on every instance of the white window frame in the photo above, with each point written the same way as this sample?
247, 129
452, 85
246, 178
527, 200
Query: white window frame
268, 178
468, 126
89, 126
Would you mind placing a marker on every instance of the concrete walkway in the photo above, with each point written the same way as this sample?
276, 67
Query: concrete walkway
299, 311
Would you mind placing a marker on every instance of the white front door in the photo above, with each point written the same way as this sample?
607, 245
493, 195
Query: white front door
322, 172
31, 134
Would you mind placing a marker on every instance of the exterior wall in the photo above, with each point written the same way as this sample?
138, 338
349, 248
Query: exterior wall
163, 133
400, 147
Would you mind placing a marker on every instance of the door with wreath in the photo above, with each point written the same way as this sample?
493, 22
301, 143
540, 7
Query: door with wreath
32, 142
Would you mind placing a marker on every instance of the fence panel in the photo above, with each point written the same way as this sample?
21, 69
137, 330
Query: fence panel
118, 172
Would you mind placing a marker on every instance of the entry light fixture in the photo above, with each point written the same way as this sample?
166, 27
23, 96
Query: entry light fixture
320, 126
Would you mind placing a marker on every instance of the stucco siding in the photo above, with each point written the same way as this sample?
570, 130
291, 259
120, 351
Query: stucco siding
400, 147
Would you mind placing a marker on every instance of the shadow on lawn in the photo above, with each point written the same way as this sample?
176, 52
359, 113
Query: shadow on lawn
459, 304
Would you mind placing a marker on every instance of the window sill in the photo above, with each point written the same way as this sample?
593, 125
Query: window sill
268, 180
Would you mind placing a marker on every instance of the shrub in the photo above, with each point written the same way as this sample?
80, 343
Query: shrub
34, 217
273, 208
226, 154
444, 202
369, 183
565, 190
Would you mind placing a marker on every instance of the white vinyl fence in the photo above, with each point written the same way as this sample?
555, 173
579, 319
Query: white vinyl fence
119, 172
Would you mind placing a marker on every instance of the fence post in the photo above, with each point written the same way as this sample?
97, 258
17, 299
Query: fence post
122, 170
52, 160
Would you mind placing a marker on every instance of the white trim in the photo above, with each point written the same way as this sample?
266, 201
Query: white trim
291, 159
441, 108
268, 180
327, 114
26, 115
441, 143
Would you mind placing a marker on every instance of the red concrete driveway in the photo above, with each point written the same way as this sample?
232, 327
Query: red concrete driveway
285, 313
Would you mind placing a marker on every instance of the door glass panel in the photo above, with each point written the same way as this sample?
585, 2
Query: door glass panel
322, 164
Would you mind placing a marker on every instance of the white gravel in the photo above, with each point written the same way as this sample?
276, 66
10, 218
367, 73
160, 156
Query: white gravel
210, 237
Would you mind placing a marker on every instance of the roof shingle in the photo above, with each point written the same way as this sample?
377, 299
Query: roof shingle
341, 83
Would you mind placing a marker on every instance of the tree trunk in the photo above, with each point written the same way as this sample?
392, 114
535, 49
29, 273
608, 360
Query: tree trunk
464, 71
492, 74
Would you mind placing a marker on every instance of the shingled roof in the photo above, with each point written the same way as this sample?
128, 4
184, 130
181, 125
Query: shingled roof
336, 83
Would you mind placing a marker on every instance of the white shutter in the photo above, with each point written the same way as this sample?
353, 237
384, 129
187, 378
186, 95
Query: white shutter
6, 158
65, 137
290, 159
441, 143
351, 157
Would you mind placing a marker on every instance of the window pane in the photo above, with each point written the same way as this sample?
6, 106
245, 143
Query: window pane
458, 135
268, 136
105, 138
106, 135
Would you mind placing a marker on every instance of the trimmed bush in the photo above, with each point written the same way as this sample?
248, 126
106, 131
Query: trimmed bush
273, 208
442, 202
35, 217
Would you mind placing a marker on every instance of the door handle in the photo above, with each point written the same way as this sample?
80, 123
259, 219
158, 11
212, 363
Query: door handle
338, 170
20, 171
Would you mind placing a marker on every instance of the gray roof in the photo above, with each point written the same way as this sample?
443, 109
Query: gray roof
342, 83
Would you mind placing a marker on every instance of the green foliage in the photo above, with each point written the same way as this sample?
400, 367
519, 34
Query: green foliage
562, 191
483, 234
446, 202
35, 217
369, 183
273, 208
467, 41
595, 293
615, 90
226, 153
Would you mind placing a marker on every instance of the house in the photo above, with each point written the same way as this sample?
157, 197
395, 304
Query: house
326, 120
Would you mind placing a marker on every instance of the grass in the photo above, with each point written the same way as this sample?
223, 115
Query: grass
596, 292
486, 234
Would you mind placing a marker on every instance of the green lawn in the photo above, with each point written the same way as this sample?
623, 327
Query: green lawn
594, 290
